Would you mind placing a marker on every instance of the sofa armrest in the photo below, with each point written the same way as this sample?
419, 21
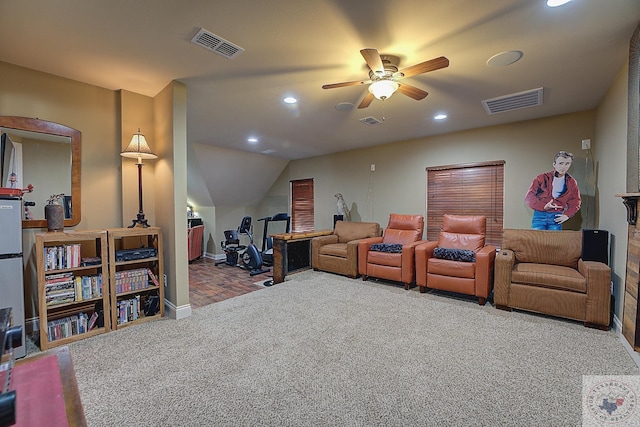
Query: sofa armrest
598, 276
317, 243
485, 259
352, 250
363, 249
423, 252
409, 261
504, 262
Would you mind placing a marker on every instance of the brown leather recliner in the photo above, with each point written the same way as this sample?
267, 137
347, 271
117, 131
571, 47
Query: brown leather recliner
393, 256
464, 263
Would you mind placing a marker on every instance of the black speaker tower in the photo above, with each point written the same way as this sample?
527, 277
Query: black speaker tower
595, 245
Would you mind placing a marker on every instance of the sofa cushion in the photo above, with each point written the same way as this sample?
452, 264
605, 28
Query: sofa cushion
472, 242
402, 237
445, 267
348, 231
386, 247
334, 249
544, 246
453, 254
384, 258
549, 276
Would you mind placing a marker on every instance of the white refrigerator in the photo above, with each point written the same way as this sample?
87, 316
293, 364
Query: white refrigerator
11, 267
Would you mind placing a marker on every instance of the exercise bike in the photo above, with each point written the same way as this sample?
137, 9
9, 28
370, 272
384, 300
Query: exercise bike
247, 257
267, 242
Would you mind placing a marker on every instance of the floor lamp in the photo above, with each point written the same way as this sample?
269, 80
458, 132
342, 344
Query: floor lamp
139, 149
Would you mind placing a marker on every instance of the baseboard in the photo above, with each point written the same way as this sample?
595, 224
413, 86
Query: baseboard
177, 313
216, 257
617, 327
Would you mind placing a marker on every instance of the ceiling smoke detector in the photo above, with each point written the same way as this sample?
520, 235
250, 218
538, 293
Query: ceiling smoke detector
514, 101
216, 44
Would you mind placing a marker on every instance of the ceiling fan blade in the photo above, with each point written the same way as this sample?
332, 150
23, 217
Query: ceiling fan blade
366, 101
373, 60
412, 91
345, 84
423, 67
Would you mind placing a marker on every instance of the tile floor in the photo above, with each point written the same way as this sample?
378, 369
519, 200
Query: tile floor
209, 283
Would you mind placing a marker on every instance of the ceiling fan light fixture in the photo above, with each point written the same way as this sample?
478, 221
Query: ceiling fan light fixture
383, 89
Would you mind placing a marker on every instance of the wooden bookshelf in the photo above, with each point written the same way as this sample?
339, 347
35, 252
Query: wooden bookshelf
63, 255
133, 281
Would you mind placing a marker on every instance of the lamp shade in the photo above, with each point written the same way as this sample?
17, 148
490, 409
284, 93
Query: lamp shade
138, 148
383, 89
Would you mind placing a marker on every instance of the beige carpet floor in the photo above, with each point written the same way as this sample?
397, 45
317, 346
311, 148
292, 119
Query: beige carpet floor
324, 350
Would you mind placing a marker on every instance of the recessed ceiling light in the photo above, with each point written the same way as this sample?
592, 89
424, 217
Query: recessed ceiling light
252, 140
344, 106
290, 100
503, 59
556, 3
440, 116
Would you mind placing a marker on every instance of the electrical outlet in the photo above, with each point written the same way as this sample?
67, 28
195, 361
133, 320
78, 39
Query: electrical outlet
165, 280
586, 144
373, 167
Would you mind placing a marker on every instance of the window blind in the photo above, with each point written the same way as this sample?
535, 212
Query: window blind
466, 189
302, 206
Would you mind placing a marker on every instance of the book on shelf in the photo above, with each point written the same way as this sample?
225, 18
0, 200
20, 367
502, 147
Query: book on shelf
62, 257
153, 277
92, 321
64, 288
67, 327
128, 310
131, 280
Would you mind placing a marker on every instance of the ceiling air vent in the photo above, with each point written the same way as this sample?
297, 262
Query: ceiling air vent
515, 101
370, 120
216, 44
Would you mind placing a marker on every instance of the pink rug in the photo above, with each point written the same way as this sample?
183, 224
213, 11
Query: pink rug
39, 395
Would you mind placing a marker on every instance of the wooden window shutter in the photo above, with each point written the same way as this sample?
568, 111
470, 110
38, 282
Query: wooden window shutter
467, 189
302, 206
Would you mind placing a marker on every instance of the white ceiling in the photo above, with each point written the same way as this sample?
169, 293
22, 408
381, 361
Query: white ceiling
293, 47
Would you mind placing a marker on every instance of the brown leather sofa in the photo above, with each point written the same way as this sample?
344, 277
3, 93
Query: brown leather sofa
459, 261
403, 234
338, 252
541, 271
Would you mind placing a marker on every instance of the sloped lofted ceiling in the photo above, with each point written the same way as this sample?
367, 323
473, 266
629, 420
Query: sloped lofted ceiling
293, 47
234, 177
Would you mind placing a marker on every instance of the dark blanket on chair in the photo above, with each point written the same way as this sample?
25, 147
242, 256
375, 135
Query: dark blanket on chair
465, 255
395, 248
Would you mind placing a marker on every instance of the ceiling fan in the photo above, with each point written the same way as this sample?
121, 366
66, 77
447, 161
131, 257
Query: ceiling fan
384, 76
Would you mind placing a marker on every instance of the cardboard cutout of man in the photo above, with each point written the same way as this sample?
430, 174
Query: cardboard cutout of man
554, 196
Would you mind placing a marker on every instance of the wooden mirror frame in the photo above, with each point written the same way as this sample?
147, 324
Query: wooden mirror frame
51, 128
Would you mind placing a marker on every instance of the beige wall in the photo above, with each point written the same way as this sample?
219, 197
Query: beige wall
107, 119
398, 184
610, 150
94, 112
169, 113
137, 113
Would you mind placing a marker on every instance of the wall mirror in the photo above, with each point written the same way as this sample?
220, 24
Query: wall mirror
47, 156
